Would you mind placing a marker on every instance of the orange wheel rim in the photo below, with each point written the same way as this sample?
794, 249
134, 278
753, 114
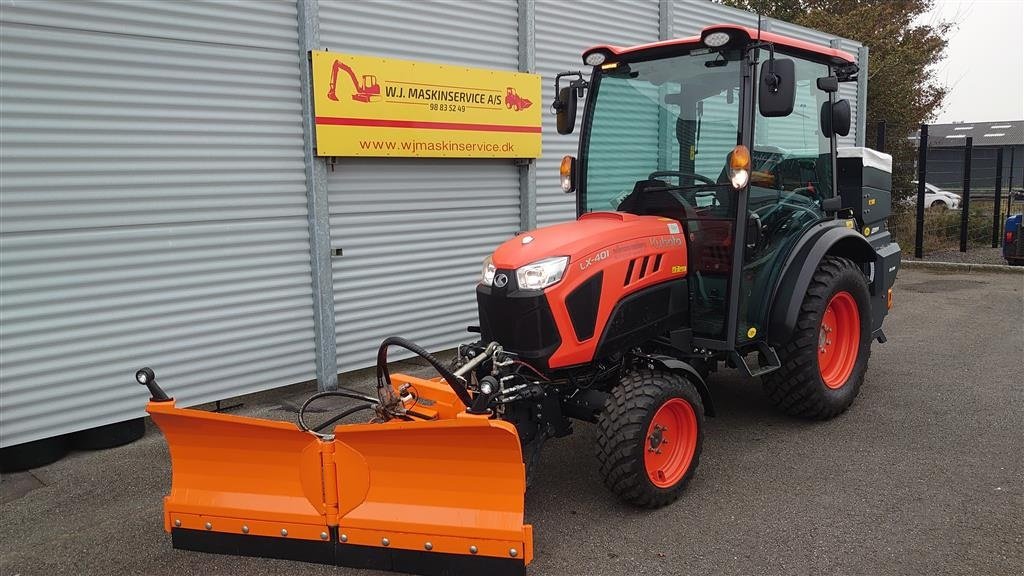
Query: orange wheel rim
838, 340
670, 443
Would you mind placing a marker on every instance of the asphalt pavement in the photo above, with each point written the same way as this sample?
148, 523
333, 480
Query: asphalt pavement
923, 475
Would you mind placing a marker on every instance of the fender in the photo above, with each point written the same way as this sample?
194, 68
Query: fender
827, 238
675, 365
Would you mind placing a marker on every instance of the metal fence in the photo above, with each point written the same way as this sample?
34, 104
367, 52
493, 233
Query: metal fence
959, 201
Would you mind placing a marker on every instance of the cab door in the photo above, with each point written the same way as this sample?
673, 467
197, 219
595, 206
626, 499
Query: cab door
791, 175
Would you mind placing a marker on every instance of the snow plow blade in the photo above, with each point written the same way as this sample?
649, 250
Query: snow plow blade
437, 497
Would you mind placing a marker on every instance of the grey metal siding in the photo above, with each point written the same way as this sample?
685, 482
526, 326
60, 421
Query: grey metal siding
689, 17
153, 203
414, 231
153, 208
563, 32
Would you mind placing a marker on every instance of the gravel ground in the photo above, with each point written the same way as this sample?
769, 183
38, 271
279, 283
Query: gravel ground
923, 475
972, 256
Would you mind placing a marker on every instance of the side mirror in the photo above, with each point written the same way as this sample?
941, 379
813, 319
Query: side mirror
828, 84
835, 118
565, 105
776, 89
841, 117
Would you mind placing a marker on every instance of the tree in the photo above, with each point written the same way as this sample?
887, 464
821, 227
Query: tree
902, 86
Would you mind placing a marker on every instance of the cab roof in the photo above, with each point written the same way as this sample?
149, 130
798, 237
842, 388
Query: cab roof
744, 33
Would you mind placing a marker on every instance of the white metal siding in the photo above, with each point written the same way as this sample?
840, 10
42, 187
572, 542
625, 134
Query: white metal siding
153, 208
414, 231
564, 31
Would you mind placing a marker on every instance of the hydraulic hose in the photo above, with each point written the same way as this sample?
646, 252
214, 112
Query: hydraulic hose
384, 377
342, 393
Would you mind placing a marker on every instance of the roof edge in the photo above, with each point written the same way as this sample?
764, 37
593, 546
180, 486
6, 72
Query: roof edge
835, 55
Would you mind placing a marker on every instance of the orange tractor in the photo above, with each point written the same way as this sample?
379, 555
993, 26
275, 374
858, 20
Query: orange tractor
720, 224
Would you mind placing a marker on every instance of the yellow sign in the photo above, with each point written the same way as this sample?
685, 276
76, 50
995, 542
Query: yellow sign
369, 106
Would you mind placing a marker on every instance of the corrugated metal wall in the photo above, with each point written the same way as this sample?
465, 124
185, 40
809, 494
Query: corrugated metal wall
154, 194
689, 17
563, 32
848, 90
415, 231
153, 208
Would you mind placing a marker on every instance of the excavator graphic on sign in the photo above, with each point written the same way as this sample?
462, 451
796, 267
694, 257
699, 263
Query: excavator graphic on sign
514, 101
368, 91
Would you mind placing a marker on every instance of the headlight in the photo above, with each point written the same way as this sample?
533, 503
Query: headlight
487, 274
542, 273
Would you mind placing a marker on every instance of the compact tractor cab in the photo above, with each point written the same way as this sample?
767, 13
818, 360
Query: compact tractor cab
719, 224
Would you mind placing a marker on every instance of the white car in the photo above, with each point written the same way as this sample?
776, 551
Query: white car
935, 197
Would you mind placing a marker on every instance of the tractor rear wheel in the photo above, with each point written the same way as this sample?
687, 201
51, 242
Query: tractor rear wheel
649, 437
823, 364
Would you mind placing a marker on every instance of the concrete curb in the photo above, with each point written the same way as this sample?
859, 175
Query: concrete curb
962, 267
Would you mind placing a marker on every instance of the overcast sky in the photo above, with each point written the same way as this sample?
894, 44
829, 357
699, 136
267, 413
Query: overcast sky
984, 64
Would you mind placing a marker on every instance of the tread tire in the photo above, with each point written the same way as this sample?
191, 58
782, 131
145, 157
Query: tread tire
621, 435
797, 387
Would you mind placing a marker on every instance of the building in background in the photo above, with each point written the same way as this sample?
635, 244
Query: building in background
160, 204
946, 155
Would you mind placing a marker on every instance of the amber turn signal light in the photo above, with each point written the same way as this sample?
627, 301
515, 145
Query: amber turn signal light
739, 166
566, 173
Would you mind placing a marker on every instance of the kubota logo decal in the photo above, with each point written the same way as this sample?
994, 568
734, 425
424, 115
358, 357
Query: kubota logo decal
665, 242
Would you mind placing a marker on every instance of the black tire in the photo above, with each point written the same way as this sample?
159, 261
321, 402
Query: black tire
33, 454
109, 436
622, 439
798, 388
939, 205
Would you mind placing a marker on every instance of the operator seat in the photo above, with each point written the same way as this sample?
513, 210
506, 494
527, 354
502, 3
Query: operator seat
653, 198
709, 235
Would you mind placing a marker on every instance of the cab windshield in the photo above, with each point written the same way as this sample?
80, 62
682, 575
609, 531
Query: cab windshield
673, 119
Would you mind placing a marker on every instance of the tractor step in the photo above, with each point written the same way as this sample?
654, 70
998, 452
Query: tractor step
764, 352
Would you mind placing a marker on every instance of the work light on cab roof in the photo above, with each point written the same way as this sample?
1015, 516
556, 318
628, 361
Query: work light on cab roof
716, 39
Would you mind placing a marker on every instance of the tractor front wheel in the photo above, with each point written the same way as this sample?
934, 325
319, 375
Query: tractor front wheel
649, 437
823, 364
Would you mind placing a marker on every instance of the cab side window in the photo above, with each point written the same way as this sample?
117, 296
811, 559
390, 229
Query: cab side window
790, 153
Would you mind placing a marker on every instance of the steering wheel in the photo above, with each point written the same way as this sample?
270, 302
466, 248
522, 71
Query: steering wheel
680, 174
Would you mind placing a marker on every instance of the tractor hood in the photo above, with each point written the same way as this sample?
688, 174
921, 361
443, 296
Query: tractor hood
592, 232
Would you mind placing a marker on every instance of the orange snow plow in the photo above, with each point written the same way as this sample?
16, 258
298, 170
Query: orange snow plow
437, 492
